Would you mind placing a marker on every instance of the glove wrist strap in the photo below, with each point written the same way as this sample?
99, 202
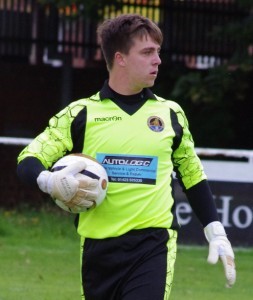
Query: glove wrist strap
213, 230
43, 181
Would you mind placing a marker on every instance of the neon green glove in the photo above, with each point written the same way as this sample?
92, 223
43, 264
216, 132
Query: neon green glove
220, 247
68, 186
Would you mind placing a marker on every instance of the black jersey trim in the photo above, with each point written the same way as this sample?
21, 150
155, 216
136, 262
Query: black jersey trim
128, 103
78, 128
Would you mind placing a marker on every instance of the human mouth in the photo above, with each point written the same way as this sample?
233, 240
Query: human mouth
154, 73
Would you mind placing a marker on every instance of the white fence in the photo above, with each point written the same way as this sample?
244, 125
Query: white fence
230, 174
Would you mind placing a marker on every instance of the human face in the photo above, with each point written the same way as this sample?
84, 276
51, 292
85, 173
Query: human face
141, 63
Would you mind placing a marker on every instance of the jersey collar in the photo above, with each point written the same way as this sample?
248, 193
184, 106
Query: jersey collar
107, 93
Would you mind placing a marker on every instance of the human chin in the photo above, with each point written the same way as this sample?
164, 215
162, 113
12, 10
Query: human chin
150, 81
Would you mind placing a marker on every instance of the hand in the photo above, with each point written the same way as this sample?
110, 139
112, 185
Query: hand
86, 195
68, 186
220, 247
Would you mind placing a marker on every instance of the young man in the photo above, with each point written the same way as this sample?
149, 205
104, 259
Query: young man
129, 241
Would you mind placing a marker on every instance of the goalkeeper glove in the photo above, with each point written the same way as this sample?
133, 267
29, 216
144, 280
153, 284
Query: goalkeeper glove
68, 186
220, 247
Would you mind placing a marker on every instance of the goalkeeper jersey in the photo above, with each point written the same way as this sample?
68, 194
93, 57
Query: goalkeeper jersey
140, 147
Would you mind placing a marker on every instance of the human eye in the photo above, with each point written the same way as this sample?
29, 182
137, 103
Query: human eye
147, 51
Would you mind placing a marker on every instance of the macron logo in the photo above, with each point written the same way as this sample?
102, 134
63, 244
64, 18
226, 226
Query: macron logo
108, 119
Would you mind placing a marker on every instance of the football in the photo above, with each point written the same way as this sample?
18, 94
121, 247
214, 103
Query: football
93, 170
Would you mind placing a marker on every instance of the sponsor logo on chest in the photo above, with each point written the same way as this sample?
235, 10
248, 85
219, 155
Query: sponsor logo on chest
108, 119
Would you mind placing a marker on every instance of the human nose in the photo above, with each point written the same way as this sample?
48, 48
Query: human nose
157, 59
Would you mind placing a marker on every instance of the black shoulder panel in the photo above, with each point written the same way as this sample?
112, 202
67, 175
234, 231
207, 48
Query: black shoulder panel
78, 127
177, 129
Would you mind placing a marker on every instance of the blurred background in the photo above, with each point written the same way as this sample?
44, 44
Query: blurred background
50, 56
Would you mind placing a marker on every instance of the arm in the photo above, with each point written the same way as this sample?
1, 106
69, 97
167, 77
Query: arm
202, 202
29, 169
36, 159
193, 180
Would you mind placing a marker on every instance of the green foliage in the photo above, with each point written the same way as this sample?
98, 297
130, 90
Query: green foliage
214, 98
240, 34
214, 101
211, 86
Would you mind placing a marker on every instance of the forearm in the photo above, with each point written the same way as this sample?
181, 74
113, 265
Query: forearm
29, 169
202, 202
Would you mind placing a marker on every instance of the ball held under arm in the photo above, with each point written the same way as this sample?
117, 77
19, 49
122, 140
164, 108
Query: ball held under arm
61, 184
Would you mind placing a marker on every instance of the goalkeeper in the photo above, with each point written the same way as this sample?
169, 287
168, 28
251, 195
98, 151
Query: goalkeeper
129, 242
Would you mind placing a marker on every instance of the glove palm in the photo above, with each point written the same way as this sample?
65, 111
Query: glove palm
220, 247
68, 186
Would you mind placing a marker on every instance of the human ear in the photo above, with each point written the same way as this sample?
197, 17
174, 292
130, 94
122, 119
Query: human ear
119, 59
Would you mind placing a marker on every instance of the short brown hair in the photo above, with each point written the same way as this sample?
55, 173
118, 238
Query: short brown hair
117, 34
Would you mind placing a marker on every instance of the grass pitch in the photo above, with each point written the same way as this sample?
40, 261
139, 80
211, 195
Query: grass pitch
39, 256
195, 279
39, 260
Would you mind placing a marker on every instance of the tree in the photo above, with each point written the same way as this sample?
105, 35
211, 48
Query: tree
218, 101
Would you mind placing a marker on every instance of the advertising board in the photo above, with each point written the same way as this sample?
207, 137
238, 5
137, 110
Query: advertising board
230, 175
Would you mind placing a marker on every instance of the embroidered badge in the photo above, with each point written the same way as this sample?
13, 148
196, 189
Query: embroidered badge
155, 123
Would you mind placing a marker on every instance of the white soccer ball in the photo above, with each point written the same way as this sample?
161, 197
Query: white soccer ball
93, 170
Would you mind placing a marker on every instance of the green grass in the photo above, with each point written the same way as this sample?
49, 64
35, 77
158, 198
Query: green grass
196, 279
39, 260
39, 256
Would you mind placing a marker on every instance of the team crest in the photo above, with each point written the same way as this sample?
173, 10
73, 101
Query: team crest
155, 123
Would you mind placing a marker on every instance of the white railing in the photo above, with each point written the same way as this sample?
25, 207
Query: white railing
238, 169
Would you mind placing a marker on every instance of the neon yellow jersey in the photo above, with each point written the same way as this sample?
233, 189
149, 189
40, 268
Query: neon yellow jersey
139, 152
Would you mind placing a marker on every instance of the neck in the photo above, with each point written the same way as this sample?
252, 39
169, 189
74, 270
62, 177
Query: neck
122, 85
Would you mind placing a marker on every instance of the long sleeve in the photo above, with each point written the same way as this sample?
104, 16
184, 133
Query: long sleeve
202, 202
29, 169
